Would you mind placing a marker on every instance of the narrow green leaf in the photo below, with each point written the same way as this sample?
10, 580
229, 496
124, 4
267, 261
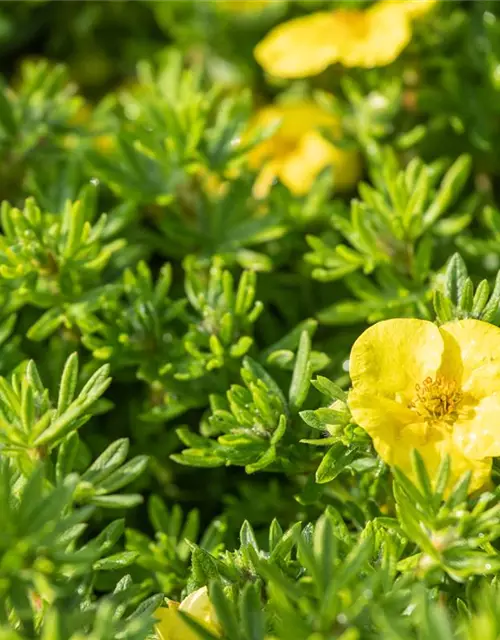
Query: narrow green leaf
27, 406
251, 613
335, 461
275, 534
46, 324
117, 501
108, 461
224, 611
456, 276
443, 307
66, 456
480, 298
247, 536
51, 629
301, 377
123, 476
69, 379
329, 389
116, 562
421, 473
491, 309
466, 296
450, 189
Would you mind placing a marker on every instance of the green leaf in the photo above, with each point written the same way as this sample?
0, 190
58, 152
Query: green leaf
466, 296
109, 460
355, 561
66, 456
491, 309
158, 514
460, 491
117, 501
198, 458
264, 461
456, 276
325, 550
67, 387
442, 307
410, 519
46, 325
110, 535
116, 561
329, 389
247, 536
275, 534
451, 186
422, 475
7, 327
480, 298
259, 373
123, 476
200, 630
51, 629
336, 459
224, 611
77, 413
251, 614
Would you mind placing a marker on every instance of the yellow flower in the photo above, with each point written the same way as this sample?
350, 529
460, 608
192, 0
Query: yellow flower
370, 37
437, 390
105, 143
198, 605
297, 152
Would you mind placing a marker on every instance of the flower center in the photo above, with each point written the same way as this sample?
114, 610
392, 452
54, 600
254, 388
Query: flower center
436, 399
285, 145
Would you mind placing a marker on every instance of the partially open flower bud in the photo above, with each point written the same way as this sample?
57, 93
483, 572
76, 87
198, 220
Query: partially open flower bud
196, 604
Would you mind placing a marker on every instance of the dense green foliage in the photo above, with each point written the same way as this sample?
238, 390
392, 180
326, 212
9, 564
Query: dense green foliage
174, 352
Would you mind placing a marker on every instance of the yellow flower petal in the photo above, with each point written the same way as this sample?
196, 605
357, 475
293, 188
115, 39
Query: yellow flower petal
392, 356
198, 605
292, 121
460, 464
347, 167
386, 32
172, 627
383, 419
168, 620
477, 431
368, 38
294, 118
311, 156
478, 346
299, 170
395, 434
301, 47
297, 152
265, 179
396, 431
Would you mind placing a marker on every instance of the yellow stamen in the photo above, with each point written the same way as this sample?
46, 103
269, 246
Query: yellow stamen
437, 399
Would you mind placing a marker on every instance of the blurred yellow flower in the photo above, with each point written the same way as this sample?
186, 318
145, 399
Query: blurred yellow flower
105, 143
83, 119
297, 152
437, 390
198, 605
370, 37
